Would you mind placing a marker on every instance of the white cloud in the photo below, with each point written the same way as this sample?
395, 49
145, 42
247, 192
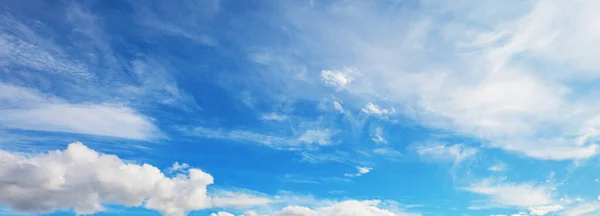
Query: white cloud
21, 46
348, 207
337, 79
543, 210
591, 208
360, 171
273, 117
337, 106
177, 167
221, 213
501, 194
30, 110
439, 152
499, 167
378, 136
387, 152
85, 180
238, 199
515, 82
251, 213
320, 137
373, 109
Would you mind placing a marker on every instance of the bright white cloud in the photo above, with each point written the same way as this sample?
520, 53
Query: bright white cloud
501, 194
373, 109
360, 171
337, 79
85, 180
27, 109
543, 210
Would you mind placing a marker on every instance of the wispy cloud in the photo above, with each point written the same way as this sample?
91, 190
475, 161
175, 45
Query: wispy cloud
474, 86
439, 152
27, 109
273, 117
310, 138
501, 194
377, 137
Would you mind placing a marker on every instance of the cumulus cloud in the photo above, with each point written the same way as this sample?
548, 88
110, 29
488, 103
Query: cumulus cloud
84, 180
500, 194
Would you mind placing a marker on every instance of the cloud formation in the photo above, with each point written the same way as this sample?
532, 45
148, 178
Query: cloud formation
85, 180
24, 108
502, 194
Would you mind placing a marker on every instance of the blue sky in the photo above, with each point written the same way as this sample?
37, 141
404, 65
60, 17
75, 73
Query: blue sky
299, 108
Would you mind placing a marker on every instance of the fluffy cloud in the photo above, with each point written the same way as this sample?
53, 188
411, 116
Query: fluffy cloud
83, 179
501, 194
24, 108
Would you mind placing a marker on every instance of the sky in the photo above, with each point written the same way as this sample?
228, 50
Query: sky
300, 107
